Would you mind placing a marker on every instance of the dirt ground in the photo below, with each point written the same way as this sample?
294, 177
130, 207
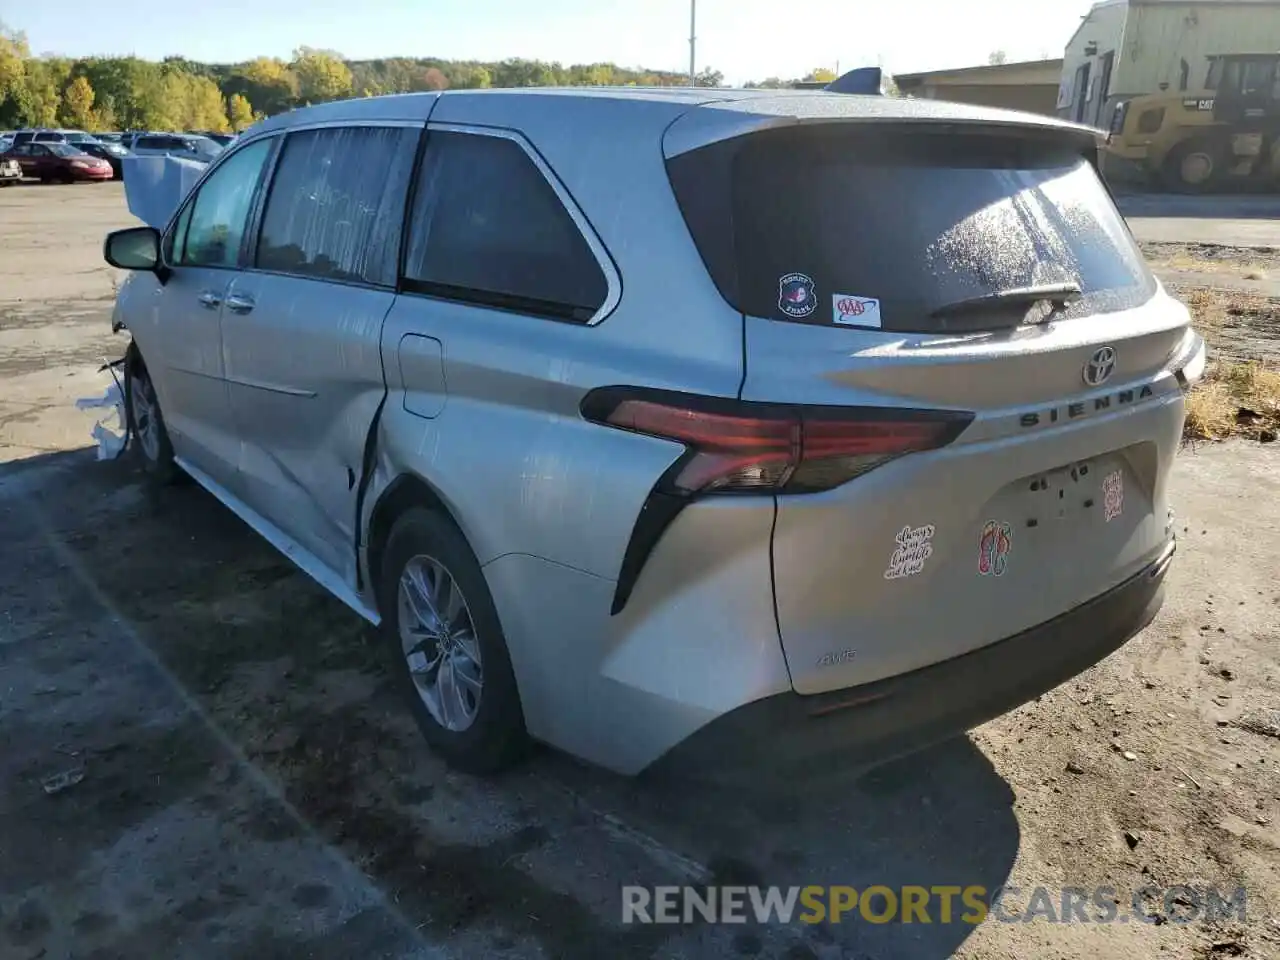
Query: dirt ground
238, 780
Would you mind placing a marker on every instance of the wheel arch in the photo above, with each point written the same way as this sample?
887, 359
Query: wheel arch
404, 493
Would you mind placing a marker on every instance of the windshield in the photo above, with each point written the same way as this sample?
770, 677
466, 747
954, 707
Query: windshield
913, 221
65, 150
204, 144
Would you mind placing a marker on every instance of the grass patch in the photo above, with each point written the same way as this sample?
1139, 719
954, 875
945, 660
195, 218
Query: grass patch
1189, 263
1239, 395
1235, 399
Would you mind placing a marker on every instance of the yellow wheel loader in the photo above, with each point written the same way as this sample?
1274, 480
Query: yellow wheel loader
1201, 141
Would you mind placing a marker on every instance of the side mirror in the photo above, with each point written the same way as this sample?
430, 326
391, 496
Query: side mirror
137, 248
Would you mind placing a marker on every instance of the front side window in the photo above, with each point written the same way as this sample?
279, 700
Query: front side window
220, 212
1258, 75
337, 203
487, 227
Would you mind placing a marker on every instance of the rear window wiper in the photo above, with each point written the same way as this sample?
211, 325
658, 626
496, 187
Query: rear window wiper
1058, 294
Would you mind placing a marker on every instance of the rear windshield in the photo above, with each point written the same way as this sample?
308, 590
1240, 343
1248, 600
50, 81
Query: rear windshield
876, 228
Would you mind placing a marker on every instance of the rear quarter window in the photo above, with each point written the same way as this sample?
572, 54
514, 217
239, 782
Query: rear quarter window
792, 224
487, 227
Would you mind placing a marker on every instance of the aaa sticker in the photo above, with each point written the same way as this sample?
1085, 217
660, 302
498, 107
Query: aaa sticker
993, 548
914, 547
850, 311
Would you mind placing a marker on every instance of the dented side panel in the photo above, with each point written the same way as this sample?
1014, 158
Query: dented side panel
304, 373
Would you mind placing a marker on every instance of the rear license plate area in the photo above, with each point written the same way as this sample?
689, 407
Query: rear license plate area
1066, 493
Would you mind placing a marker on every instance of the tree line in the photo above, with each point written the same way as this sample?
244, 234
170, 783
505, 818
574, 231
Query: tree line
129, 93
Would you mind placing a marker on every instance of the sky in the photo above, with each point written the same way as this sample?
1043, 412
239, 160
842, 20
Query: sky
743, 39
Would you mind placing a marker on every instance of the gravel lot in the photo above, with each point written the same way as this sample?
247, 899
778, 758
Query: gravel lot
240, 782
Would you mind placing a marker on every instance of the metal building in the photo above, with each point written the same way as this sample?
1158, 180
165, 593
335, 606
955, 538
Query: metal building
1128, 48
1031, 85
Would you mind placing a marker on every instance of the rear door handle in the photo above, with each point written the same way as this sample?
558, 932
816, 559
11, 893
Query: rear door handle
238, 303
210, 300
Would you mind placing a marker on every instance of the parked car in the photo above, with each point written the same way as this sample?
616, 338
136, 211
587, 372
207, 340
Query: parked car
57, 161
10, 171
113, 153
821, 481
174, 145
110, 137
221, 139
74, 137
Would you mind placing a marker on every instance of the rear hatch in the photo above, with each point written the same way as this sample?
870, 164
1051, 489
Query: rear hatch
923, 272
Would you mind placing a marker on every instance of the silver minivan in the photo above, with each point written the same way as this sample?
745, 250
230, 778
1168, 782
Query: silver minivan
699, 430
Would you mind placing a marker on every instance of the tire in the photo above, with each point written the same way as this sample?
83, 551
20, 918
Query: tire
1185, 158
480, 730
149, 438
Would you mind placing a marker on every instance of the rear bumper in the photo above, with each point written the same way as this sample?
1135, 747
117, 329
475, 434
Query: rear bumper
878, 721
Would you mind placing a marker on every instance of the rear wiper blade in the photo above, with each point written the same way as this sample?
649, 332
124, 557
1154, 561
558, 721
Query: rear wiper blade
1058, 294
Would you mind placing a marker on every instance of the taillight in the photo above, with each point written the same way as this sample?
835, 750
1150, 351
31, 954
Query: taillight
737, 446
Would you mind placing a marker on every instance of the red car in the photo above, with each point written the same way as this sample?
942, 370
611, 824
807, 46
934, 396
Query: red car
57, 161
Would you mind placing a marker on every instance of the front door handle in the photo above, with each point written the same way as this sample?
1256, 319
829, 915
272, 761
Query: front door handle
210, 300
239, 303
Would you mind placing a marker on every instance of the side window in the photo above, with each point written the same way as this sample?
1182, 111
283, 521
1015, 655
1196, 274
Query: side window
337, 203
220, 211
1215, 75
488, 227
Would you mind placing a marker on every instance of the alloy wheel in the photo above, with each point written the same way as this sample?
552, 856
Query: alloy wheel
145, 425
439, 642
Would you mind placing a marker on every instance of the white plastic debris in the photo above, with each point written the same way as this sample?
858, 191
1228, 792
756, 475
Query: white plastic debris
61, 781
110, 442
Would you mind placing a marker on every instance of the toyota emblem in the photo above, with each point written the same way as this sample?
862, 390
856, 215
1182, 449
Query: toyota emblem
1100, 366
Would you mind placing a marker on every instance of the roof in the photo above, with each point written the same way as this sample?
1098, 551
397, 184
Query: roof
684, 118
1086, 18
799, 104
985, 70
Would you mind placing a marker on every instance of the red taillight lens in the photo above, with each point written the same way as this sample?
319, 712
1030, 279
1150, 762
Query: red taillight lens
736, 446
730, 451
